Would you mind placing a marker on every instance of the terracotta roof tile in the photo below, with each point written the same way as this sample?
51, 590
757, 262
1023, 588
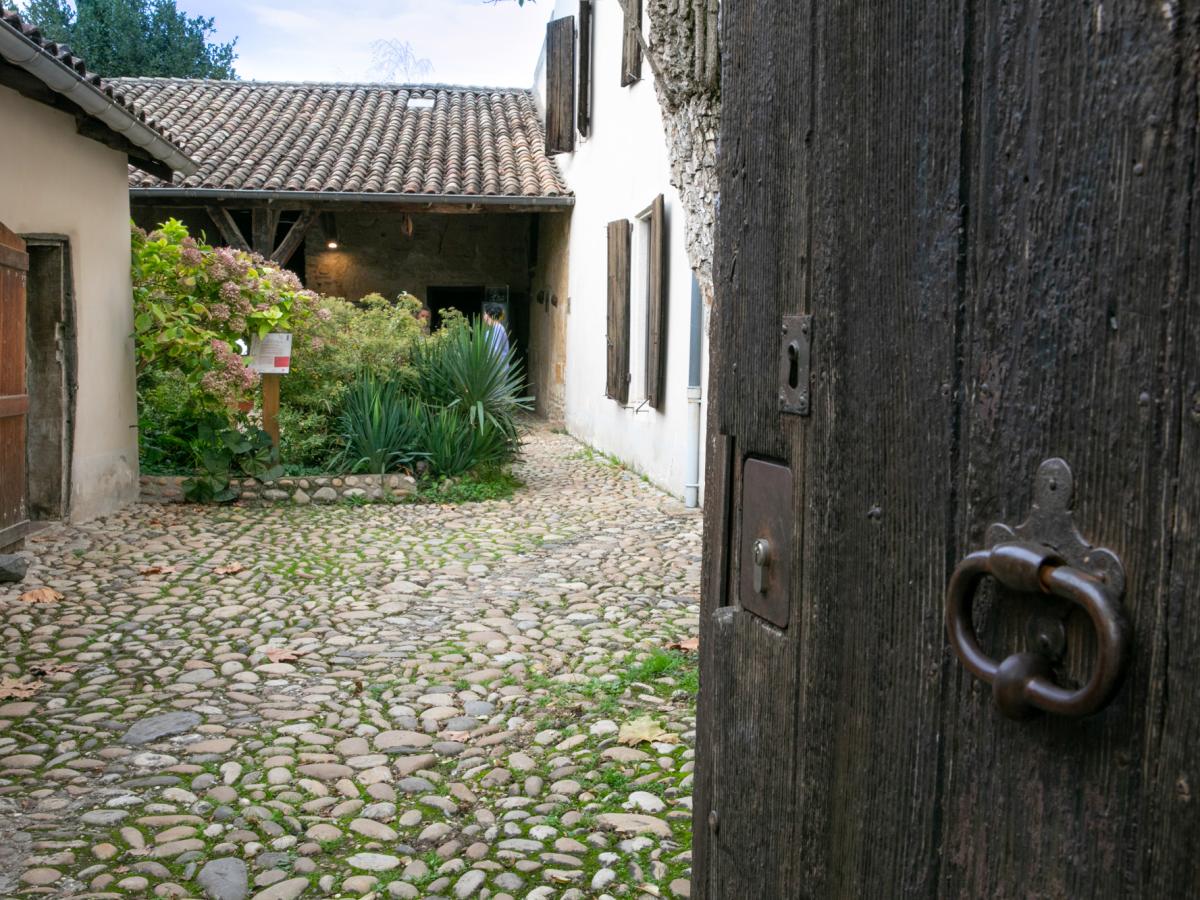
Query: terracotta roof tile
356, 138
62, 53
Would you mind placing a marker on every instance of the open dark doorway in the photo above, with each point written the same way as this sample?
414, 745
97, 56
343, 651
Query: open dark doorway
50, 375
467, 300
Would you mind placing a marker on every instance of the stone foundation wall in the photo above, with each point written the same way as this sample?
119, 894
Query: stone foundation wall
300, 490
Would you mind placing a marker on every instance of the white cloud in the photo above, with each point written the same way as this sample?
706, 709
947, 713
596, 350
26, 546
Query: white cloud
467, 41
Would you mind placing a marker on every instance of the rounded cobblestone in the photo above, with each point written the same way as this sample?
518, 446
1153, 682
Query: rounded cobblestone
272, 702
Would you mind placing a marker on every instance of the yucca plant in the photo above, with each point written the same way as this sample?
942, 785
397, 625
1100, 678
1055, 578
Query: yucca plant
464, 371
455, 445
381, 428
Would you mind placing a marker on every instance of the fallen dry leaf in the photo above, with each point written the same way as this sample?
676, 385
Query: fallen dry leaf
282, 654
41, 669
231, 569
17, 687
42, 595
158, 570
637, 731
459, 736
690, 645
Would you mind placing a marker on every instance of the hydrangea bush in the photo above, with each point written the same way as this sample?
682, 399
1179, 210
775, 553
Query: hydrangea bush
192, 305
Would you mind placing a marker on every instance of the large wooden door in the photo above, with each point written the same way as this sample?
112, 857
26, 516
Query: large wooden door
14, 402
987, 209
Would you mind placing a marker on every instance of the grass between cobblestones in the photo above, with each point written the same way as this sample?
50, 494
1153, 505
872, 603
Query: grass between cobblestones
439, 687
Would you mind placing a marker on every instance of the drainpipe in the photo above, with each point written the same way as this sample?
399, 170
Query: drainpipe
691, 489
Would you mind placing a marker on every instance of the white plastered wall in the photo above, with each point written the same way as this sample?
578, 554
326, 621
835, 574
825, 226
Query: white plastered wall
615, 173
57, 182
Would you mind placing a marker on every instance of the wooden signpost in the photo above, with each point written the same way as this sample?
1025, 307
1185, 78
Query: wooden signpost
271, 356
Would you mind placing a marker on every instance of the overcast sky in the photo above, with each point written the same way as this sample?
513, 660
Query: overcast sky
466, 41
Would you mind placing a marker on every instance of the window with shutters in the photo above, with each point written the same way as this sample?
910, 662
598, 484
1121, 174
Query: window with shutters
560, 85
631, 50
643, 327
617, 383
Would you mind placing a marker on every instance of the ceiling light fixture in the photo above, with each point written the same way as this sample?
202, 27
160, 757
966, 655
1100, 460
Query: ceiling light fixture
332, 245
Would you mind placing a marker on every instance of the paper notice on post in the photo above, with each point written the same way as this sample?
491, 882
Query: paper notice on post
271, 355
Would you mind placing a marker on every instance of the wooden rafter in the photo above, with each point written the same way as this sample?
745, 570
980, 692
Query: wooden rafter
230, 233
294, 237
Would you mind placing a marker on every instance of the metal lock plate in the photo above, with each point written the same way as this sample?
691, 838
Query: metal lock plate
795, 357
766, 541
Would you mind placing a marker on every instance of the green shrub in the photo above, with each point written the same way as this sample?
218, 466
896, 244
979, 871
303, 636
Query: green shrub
222, 452
329, 349
381, 428
193, 303
308, 440
464, 371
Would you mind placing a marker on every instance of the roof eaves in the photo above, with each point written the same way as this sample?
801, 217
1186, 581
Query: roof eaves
23, 51
281, 198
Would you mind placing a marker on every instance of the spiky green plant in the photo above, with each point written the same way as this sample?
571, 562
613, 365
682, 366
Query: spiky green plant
464, 371
381, 429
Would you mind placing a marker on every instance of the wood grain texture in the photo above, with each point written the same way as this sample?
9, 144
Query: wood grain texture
13, 266
264, 223
560, 85
295, 237
657, 305
584, 100
1082, 153
988, 209
631, 48
617, 382
230, 233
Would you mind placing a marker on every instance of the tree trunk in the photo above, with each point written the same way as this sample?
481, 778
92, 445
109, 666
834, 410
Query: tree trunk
682, 49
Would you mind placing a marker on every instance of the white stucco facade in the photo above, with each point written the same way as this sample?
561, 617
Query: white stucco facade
615, 173
57, 182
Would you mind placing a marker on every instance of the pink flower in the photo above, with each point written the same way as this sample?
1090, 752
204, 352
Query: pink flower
192, 256
219, 312
230, 292
324, 315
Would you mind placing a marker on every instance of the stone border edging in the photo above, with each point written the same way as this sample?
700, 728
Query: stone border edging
300, 490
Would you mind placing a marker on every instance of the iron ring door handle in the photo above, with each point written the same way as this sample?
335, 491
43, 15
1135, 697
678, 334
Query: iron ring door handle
1022, 684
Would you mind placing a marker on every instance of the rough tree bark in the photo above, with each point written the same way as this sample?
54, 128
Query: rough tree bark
682, 51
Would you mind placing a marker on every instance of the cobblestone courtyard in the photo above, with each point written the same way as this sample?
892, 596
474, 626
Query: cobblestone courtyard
345, 701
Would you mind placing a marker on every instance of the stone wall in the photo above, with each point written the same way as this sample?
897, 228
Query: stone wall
300, 490
374, 255
548, 310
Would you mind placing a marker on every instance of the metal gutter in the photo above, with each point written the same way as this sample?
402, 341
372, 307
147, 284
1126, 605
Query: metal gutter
19, 50
209, 195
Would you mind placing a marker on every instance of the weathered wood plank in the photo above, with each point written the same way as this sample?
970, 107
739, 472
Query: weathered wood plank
230, 233
584, 100
264, 223
1080, 291
15, 403
657, 305
295, 236
560, 85
631, 47
832, 725
617, 381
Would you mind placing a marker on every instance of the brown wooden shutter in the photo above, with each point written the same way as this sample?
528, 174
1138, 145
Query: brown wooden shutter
618, 310
14, 399
560, 85
585, 66
657, 304
631, 50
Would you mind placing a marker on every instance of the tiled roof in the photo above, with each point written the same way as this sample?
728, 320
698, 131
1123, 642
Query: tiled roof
350, 138
86, 80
